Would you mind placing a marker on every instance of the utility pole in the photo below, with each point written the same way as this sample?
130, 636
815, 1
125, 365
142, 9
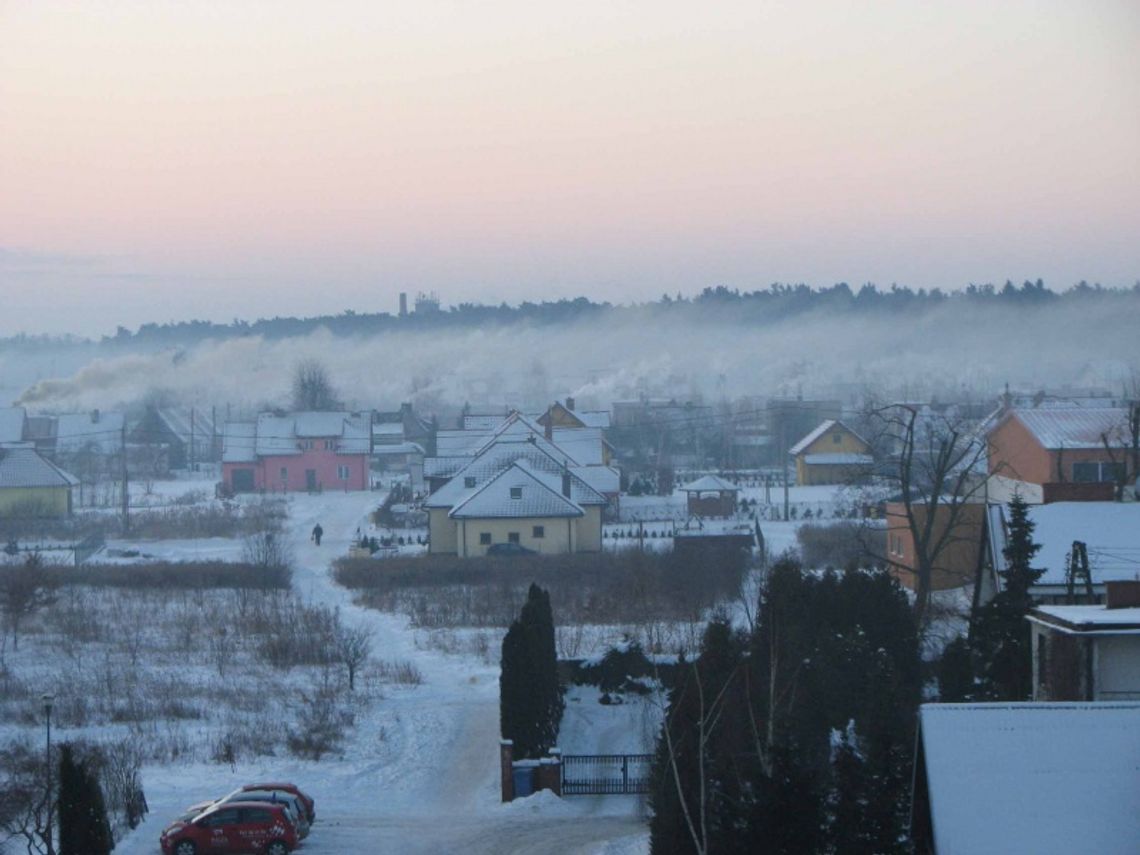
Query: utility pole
126, 481
190, 460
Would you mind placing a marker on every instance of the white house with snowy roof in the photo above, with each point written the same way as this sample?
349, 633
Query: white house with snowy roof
521, 489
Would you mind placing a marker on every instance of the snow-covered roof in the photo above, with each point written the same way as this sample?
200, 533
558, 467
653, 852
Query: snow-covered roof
592, 418
822, 429
486, 424
239, 440
442, 467
1089, 619
387, 429
11, 424
274, 435
537, 452
406, 447
517, 491
838, 459
183, 423
97, 431
1075, 427
1109, 530
710, 484
585, 445
459, 443
1046, 778
23, 467
604, 479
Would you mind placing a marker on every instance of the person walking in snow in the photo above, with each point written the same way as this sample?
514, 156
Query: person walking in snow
317, 532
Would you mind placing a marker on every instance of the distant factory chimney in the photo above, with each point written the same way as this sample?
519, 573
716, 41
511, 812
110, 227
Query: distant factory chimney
403, 304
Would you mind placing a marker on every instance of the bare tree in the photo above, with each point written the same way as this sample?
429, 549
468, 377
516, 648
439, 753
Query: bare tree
24, 589
269, 552
936, 466
1123, 448
25, 802
312, 387
353, 646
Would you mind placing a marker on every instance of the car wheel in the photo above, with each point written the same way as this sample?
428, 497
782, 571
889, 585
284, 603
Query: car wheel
277, 847
184, 847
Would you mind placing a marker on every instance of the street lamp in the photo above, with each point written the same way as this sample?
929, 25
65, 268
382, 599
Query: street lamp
48, 699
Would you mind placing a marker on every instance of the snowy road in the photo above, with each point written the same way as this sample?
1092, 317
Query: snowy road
420, 770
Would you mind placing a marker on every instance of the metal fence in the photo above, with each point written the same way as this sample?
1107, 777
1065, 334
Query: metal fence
605, 774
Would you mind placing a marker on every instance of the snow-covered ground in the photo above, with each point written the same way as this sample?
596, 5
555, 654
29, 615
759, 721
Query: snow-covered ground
419, 771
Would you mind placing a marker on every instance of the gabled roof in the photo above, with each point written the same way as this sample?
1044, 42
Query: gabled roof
239, 441
586, 445
1073, 427
822, 429
1045, 778
1109, 530
459, 443
182, 423
23, 467
274, 435
537, 452
98, 431
710, 484
1089, 620
497, 497
11, 424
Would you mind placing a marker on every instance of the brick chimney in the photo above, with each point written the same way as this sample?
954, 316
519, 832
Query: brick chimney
1122, 595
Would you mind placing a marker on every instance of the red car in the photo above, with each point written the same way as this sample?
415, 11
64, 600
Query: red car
310, 805
232, 827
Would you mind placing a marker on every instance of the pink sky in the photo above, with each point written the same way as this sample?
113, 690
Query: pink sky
168, 160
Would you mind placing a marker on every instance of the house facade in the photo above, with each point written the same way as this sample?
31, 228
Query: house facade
297, 452
831, 454
519, 488
31, 486
1088, 652
962, 531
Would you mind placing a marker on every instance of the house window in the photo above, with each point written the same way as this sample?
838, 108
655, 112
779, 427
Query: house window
539, 532
837, 438
516, 492
342, 472
330, 444
469, 481
513, 537
307, 444
484, 538
284, 474
1097, 471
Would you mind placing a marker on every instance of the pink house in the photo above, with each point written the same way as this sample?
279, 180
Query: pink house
297, 452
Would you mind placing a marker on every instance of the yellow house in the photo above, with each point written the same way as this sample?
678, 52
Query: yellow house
519, 504
831, 454
31, 486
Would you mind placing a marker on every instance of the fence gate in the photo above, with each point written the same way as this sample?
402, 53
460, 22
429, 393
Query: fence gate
605, 774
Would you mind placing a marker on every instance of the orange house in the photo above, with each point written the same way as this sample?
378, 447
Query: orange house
957, 561
1030, 449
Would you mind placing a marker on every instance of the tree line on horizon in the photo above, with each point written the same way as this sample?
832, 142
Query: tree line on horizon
776, 302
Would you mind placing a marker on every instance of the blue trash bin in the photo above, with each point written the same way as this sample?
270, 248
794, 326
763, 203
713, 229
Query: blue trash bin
524, 780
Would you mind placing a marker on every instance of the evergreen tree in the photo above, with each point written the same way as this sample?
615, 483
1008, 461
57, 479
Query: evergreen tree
83, 825
999, 634
530, 696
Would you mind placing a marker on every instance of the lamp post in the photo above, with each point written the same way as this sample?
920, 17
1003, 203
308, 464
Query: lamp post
48, 699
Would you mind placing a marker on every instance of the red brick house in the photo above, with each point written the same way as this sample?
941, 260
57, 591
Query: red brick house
1036, 451
297, 452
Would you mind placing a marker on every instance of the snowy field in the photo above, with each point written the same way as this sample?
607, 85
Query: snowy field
418, 771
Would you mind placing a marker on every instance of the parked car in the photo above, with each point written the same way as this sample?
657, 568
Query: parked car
296, 809
501, 549
310, 805
232, 827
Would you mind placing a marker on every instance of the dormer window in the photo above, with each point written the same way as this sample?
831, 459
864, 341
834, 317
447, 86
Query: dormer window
469, 481
516, 492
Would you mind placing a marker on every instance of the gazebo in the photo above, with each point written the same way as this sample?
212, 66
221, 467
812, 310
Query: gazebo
711, 496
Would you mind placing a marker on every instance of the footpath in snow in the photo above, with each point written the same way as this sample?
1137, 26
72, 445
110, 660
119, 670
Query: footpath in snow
419, 771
